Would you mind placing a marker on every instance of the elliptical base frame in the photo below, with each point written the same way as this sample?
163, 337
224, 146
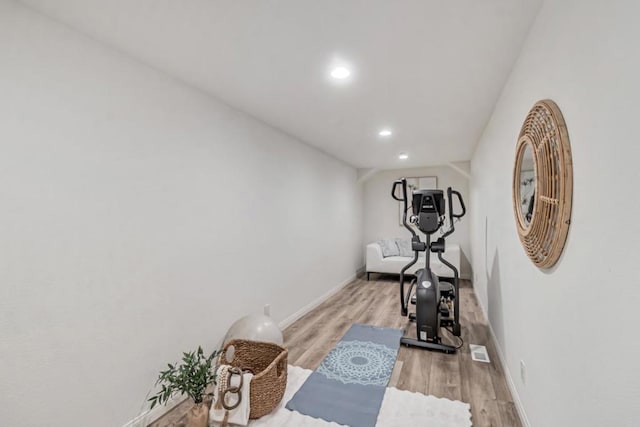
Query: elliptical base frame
413, 342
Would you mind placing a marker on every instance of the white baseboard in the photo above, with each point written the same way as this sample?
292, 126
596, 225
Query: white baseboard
507, 373
313, 304
151, 415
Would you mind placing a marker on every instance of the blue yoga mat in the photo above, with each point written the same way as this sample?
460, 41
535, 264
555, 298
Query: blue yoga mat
350, 383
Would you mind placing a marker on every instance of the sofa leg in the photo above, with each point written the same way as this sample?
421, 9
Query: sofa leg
368, 275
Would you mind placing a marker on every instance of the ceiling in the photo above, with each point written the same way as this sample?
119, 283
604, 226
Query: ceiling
431, 71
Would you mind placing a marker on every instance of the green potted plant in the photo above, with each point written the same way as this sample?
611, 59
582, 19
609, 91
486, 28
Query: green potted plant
191, 377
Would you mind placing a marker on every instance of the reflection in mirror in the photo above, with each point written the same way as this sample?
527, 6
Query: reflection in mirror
527, 184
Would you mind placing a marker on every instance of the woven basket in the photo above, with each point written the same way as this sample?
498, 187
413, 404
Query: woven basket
268, 362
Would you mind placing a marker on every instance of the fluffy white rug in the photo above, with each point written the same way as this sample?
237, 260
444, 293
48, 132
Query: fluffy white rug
400, 408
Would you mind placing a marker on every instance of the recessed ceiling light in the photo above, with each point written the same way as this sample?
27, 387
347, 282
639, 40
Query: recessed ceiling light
340, 73
384, 132
403, 156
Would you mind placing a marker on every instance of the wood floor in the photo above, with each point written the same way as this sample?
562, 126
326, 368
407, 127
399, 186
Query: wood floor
376, 302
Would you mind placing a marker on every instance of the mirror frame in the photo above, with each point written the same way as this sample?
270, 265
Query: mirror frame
545, 236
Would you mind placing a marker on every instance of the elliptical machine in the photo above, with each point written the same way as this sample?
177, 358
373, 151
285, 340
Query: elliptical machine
436, 298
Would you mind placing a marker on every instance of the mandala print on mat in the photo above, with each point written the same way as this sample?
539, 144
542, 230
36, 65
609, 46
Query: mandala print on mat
358, 362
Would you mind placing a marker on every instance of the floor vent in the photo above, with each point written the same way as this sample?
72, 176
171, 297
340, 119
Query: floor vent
479, 353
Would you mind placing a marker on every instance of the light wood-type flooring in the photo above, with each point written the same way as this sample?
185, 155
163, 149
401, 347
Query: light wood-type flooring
376, 302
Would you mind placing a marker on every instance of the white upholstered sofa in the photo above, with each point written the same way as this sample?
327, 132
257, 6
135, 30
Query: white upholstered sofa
377, 263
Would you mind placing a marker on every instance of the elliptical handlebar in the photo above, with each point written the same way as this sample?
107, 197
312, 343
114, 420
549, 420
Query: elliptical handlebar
403, 181
453, 215
459, 196
405, 200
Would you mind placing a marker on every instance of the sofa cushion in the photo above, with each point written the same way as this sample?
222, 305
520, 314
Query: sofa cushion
389, 248
404, 247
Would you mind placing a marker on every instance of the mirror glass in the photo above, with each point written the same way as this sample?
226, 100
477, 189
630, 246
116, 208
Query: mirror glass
527, 190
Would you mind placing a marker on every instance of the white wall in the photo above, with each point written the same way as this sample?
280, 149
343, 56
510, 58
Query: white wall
140, 218
575, 325
381, 211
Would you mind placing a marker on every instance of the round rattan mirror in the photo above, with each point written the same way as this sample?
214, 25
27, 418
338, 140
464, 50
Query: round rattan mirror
543, 184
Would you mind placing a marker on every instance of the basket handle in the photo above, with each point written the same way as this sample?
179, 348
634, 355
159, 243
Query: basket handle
281, 368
